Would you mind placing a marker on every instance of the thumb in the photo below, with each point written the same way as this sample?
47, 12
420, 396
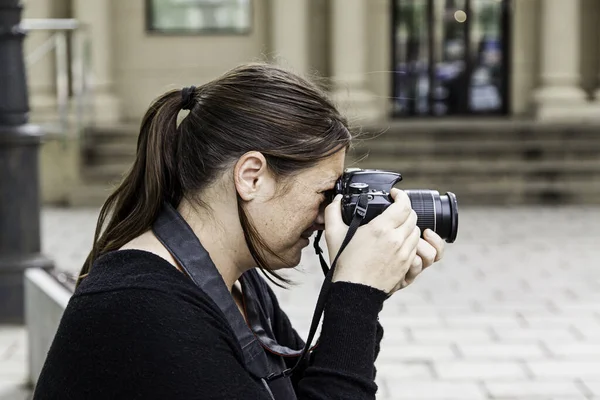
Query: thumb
335, 227
333, 214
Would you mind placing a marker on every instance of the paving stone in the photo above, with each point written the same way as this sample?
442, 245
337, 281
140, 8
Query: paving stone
416, 352
592, 385
435, 390
526, 335
532, 389
565, 369
475, 371
451, 335
404, 370
574, 350
484, 320
501, 351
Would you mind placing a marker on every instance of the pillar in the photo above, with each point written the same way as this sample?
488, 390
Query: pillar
560, 94
349, 61
290, 34
97, 15
19, 179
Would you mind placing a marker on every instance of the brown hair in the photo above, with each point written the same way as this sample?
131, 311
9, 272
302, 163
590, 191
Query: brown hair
256, 106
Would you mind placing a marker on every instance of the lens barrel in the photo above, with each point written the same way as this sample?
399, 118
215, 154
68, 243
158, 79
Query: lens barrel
436, 212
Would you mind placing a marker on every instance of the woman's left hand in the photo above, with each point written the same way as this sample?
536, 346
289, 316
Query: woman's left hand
429, 250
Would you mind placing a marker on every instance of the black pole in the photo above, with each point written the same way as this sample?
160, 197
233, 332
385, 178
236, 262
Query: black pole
19, 180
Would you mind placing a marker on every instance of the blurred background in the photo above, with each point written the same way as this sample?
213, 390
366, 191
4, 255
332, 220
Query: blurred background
497, 101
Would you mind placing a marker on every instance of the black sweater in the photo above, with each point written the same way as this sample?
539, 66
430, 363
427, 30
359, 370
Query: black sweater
136, 328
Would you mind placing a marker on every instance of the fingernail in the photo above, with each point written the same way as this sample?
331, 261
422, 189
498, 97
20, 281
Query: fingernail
338, 197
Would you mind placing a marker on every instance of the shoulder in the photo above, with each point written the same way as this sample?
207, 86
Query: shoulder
139, 342
141, 292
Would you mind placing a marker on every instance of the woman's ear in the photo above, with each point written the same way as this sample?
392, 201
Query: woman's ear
252, 177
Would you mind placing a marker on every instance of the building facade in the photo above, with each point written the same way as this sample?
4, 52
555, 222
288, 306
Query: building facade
381, 60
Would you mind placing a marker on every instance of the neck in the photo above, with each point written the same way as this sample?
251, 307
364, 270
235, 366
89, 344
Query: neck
221, 234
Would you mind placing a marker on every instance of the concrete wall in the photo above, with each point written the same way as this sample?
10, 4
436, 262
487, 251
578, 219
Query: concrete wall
146, 65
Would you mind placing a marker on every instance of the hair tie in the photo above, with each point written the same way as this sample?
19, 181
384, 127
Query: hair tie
187, 97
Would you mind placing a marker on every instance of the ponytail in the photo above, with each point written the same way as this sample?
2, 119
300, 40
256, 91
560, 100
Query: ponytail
153, 179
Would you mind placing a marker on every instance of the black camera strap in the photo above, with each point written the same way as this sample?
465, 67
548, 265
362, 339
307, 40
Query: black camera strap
359, 214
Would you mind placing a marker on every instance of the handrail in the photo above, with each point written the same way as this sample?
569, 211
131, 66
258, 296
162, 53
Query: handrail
72, 68
51, 24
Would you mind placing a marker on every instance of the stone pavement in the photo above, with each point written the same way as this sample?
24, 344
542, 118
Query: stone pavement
512, 312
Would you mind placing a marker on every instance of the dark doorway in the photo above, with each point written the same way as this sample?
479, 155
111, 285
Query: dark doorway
450, 57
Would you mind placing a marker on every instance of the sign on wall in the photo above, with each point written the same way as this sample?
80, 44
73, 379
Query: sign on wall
199, 16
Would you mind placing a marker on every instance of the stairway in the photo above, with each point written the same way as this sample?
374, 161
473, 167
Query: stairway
108, 153
484, 162
500, 162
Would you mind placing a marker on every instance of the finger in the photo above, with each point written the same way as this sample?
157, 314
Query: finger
333, 213
396, 213
408, 250
414, 270
401, 285
436, 241
408, 226
426, 252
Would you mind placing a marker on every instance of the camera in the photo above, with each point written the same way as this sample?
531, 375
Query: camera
434, 211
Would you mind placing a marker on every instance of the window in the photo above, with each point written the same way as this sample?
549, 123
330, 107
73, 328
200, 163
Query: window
199, 16
450, 57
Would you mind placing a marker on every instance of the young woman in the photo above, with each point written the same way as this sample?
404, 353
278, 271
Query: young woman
169, 304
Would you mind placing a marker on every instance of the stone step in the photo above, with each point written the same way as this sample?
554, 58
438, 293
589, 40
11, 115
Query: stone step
125, 134
89, 195
478, 129
481, 148
430, 165
104, 173
110, 150
514, 192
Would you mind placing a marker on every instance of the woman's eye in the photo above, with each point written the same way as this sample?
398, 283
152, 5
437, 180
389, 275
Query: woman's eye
328, 195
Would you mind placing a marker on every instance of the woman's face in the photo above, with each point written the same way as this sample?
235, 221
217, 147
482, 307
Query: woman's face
293, 209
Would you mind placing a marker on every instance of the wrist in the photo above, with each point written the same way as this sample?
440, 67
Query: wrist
349, 277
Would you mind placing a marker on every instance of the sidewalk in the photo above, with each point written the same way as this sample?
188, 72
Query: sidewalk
512, 312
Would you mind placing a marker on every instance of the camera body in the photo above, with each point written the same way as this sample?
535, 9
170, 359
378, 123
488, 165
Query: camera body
434, 211
376, 183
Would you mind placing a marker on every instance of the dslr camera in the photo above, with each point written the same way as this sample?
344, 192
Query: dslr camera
434, 211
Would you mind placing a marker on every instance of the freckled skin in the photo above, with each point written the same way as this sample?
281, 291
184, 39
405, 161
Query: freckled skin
283, 218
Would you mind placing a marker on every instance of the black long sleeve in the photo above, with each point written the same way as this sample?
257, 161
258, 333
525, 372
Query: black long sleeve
138, 329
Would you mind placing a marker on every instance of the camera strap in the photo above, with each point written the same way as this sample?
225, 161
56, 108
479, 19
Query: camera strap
359, 214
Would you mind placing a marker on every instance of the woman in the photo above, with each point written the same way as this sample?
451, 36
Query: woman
169, 304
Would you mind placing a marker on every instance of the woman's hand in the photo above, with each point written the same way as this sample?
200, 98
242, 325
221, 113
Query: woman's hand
429, 250
380, 252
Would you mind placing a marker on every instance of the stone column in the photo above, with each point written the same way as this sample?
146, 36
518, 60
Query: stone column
596, 44
560, 95
96, 15
349, 61
290, 34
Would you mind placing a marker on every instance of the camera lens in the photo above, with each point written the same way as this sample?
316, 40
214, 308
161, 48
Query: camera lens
436, 212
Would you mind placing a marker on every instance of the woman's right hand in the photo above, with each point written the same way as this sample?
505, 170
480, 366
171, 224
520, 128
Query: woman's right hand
380, 252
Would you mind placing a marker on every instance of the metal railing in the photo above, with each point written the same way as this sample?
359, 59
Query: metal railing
71, 45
